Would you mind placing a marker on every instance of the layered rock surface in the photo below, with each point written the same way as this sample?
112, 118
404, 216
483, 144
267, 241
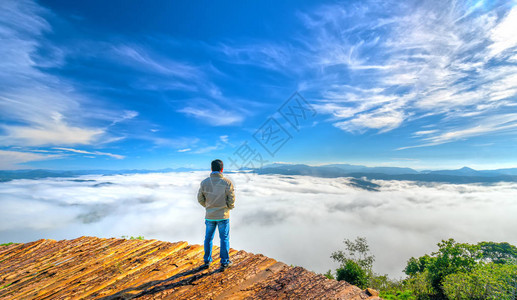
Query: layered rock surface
95, 268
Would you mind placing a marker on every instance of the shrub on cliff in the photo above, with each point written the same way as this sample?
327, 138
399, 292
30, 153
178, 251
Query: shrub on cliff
352, 273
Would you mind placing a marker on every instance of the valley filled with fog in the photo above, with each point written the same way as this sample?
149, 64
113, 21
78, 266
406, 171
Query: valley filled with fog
299, 220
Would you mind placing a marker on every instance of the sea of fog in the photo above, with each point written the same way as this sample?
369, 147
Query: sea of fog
299, 220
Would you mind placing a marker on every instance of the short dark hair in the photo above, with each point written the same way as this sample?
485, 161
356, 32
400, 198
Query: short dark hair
217, 165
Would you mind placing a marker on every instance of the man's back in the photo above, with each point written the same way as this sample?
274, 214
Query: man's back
216, 194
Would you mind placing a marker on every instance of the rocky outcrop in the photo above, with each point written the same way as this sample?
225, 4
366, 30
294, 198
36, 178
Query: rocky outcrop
95, 268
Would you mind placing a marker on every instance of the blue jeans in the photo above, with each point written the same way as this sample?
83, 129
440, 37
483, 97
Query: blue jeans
224, 235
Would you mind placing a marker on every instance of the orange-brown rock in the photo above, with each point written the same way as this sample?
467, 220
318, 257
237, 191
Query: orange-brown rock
95, 268
371, 292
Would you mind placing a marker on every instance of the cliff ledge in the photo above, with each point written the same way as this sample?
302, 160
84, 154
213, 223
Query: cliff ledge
96, 268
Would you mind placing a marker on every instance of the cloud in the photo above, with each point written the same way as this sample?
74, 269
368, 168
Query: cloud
11, 159
503, 35
495, 124
283, 217
127, 115
264, 55
208, 149
214, 145
184, 150
177, 143
143, 59
425, 132
213, 114
382, 120
44, 109
224, 138
24, 16
379, 67
117, 156
501, 122
53, 132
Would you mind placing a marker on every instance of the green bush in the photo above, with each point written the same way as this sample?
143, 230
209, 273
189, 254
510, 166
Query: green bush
352, 273
486, 281
355, 262
420, 285
358, 251
329, 275
464, 271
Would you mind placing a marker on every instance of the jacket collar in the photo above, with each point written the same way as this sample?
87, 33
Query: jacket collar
216, 174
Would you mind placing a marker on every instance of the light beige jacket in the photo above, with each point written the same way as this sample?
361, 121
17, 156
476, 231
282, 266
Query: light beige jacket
216, 194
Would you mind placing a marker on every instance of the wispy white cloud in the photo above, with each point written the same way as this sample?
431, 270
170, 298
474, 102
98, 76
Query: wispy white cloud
24, 16
213, 114
384, 65
503, 35
208, 149
487, 125
174, 143
127, 115
184, 150
54, 132
264, 55
425, 132
224, 138
382, 120
214, 145
11, 159
117, 156
43, 109
145, 60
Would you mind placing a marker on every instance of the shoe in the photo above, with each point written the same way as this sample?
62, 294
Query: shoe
226, 265
205, 265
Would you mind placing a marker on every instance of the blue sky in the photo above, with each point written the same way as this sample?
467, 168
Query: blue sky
156, 84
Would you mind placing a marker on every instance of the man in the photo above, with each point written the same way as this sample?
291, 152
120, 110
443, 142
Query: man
217, 196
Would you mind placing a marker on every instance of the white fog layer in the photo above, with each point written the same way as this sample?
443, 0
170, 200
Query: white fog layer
299, 220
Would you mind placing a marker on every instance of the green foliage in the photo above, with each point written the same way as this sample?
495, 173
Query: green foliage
464, 271
353, 273
140, 237
8, 244
397, 295
415, 266
486, 270
391, 289
499, 253
329, 275
358, 251
486, 281
420, 285
381, 282
452, 257
355, 262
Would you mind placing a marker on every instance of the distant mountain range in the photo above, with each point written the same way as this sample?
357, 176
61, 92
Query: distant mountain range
7, 175
463, 175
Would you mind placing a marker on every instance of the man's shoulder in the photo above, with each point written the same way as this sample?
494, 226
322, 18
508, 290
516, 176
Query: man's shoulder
228, 181
216, 179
